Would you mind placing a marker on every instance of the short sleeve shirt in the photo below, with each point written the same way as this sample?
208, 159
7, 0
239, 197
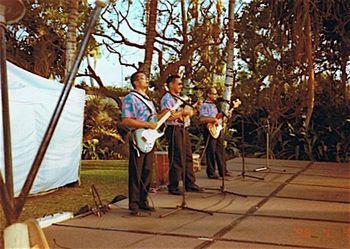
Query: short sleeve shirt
134, 107
208, 109
167, 102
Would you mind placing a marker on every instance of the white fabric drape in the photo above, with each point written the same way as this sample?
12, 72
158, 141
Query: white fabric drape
32, 102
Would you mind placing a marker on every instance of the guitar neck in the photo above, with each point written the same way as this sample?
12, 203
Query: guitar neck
163, 119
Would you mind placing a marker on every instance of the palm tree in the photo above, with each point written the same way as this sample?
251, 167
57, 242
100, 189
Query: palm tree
71, 45
310, 60
151, 12
229, 79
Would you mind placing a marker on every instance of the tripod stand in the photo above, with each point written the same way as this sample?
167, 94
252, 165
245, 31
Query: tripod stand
183, 205
243, 173
267, 166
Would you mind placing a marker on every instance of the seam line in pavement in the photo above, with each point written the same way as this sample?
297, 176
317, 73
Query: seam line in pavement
198, 237
252, 210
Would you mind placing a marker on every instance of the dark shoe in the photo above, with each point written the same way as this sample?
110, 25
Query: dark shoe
175, 191
147, 207
214, 176
194, 188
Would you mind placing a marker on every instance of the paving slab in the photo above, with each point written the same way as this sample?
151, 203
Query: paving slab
341, 170
248, 245
332, 194
295, 205
322, 181
306, 209
290, 232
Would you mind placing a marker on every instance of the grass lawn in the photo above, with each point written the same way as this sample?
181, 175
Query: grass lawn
109, 177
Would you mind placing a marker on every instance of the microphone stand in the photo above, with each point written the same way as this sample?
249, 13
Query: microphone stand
222, 189
267, 166
243, 173
183, 205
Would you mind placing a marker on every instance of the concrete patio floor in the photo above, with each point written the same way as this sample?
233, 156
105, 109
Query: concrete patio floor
296, 204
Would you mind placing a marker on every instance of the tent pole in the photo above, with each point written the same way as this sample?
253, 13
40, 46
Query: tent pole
5, 108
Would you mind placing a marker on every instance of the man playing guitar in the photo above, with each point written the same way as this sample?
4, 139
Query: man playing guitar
215, 151
138, 111
179, 149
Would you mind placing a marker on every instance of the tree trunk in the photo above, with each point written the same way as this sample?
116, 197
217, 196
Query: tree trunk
310, 60
229, 79
187, 77
344, 76
71, 34
152, 6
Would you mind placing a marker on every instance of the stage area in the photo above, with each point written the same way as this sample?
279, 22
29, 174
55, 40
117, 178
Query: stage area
297, 204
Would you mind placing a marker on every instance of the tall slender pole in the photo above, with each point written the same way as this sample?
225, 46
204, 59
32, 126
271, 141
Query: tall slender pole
267, 143
5, 107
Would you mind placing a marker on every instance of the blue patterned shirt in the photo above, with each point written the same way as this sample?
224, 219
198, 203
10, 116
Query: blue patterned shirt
135, 108
167, 102
208, 109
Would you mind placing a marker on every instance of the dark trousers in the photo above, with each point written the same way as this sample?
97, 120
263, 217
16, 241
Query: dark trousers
180, 156
140, 176
215, 154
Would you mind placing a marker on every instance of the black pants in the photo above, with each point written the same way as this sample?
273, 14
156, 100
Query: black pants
179, 155
215, 154
140, 176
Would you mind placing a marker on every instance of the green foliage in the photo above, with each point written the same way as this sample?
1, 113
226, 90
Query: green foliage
327, 139
102, 139
37, 42
231, 142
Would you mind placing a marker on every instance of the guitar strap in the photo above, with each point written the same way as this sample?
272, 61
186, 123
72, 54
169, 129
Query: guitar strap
182, 100
145, 100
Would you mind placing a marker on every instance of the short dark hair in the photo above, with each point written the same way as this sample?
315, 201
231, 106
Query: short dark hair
171, 78
133, 77
209, 90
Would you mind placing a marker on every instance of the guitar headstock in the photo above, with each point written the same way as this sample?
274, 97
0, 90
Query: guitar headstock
236, 103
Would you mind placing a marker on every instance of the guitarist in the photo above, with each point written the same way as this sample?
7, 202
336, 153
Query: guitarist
215, 151
177, 136
138, 111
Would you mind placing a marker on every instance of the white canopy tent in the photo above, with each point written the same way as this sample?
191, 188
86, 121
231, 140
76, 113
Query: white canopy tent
32, 102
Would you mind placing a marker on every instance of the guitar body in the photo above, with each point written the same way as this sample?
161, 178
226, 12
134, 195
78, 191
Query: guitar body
215, 130
146, 138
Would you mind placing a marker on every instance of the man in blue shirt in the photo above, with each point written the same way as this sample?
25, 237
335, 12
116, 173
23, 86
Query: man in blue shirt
138, 111
215, 151
179, 149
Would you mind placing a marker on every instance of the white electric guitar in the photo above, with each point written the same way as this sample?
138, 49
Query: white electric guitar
215, 129
146, 138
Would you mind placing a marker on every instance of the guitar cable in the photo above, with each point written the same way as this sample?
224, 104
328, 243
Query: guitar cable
205, 148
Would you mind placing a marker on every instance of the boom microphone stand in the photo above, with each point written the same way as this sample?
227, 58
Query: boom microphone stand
184, 205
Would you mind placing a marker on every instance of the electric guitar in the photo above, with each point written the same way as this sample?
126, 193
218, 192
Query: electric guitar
145, 139
215, 129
